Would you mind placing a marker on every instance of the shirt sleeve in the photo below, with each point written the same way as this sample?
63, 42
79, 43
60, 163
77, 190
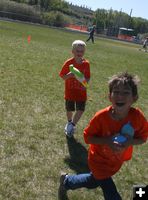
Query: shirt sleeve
64, 70
142, 131
87, 71
92, 129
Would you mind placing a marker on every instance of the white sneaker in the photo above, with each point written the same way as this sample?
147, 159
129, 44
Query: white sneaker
66, 127
69, 129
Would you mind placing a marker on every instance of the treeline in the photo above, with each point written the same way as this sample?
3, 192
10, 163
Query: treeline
67, 13
46, 5
111, 20
49, 12
59, 12
39, 11
24, 12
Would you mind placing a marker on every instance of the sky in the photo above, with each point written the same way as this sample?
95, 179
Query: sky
139, 7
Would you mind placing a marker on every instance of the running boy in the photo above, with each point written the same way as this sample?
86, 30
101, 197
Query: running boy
75, 92
91, 34
106, 157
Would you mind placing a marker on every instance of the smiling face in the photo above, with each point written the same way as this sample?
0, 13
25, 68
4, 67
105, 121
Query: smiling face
122, 98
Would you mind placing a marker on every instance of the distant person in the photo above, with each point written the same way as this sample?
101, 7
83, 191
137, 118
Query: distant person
91, 34
106, 155
75, 92
145, 44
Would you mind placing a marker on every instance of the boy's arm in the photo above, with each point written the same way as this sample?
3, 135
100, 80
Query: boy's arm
133, 141
104, 141
141, 135
98, 140
67, 76
108, 140
65, 73
87, 80
138, 141
87, 73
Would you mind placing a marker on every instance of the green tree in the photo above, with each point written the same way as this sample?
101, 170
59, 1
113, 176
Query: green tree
101, 19
140, 25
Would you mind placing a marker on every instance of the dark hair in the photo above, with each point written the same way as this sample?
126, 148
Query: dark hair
126, 79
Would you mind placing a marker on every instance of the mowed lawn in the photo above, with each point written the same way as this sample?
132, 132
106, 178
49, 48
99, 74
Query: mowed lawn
33, 147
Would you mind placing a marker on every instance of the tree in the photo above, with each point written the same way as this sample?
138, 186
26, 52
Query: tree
140, 25
101, 19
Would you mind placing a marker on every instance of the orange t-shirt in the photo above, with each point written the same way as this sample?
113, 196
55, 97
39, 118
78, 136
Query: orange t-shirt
74, 90
103, 162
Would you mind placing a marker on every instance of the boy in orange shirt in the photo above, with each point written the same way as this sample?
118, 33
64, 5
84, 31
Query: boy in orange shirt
106, 155
75, 92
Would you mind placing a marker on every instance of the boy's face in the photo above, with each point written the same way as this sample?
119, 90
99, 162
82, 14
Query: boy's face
79, 51
122, 98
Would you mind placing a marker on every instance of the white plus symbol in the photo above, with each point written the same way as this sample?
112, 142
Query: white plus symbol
140, 192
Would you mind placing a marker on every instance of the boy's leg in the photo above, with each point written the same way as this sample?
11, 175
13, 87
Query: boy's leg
80, 107
109, 189
72, 182
70, 107
77, 116
88, 39
87, 180
69, 115
144, 46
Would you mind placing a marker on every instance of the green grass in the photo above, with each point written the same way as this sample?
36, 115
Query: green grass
33, 147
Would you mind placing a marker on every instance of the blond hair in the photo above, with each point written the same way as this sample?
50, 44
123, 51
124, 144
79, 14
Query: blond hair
77, 43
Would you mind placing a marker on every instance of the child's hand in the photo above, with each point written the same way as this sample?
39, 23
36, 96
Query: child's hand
118, 147
112, 145
70, 75
122, 146
128, 142
80, 79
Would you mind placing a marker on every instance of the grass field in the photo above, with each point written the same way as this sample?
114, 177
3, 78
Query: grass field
33, 147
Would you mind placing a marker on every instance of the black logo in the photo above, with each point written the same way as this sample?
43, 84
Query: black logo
140, 192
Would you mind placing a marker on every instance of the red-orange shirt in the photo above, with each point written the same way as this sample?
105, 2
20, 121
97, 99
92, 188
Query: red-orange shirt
104, 162
74, 90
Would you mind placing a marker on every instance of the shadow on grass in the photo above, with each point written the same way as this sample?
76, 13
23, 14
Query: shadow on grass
77, 159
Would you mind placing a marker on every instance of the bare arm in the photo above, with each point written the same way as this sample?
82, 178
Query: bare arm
67, 76
87, 80
71, 75
98, 140
108, 141
104, 141
133, 141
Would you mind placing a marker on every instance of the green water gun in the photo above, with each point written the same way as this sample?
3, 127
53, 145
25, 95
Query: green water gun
79, 75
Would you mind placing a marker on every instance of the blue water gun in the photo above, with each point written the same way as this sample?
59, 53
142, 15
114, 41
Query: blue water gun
126, 130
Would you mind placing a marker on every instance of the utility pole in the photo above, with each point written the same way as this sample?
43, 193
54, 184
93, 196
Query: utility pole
119, 18
131, 12
129, 23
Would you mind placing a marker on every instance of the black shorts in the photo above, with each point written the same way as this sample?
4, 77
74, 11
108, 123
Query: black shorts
75, 105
